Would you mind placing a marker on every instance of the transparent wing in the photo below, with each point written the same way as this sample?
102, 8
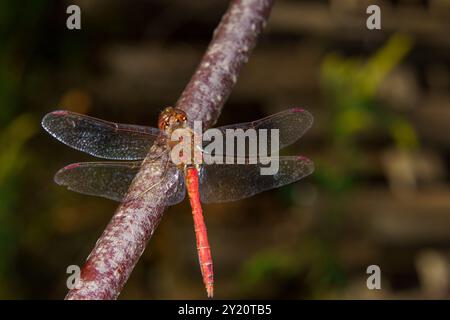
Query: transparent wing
109, 180
100, 138
291, 123
230, 182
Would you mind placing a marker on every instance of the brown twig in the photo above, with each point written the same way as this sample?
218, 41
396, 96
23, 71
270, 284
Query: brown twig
117, 251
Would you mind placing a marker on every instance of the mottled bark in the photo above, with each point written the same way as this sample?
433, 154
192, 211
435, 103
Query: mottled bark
228, 51
117, 251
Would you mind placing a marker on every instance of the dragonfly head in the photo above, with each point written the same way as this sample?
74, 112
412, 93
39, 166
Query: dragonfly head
171, 119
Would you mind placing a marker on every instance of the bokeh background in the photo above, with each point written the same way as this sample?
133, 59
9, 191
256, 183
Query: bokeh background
380, 193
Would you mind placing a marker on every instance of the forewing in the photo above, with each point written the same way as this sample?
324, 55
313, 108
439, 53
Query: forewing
291, 123
100, 138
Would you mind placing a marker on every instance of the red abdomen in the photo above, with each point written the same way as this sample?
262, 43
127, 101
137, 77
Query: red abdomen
204, 252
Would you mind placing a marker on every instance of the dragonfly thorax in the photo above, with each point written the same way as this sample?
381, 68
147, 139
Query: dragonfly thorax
171, 119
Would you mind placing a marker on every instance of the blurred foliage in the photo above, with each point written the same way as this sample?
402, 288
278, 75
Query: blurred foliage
17, 23
311, 261
350, 88
12, 160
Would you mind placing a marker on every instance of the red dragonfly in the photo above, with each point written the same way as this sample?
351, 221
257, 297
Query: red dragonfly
207, 183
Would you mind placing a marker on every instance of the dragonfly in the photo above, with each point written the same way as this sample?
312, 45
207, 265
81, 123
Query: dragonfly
129, 145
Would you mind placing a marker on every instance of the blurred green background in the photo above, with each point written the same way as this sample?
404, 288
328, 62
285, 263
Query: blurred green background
380, 194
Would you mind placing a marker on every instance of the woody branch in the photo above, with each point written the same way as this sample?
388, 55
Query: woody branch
120, 246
